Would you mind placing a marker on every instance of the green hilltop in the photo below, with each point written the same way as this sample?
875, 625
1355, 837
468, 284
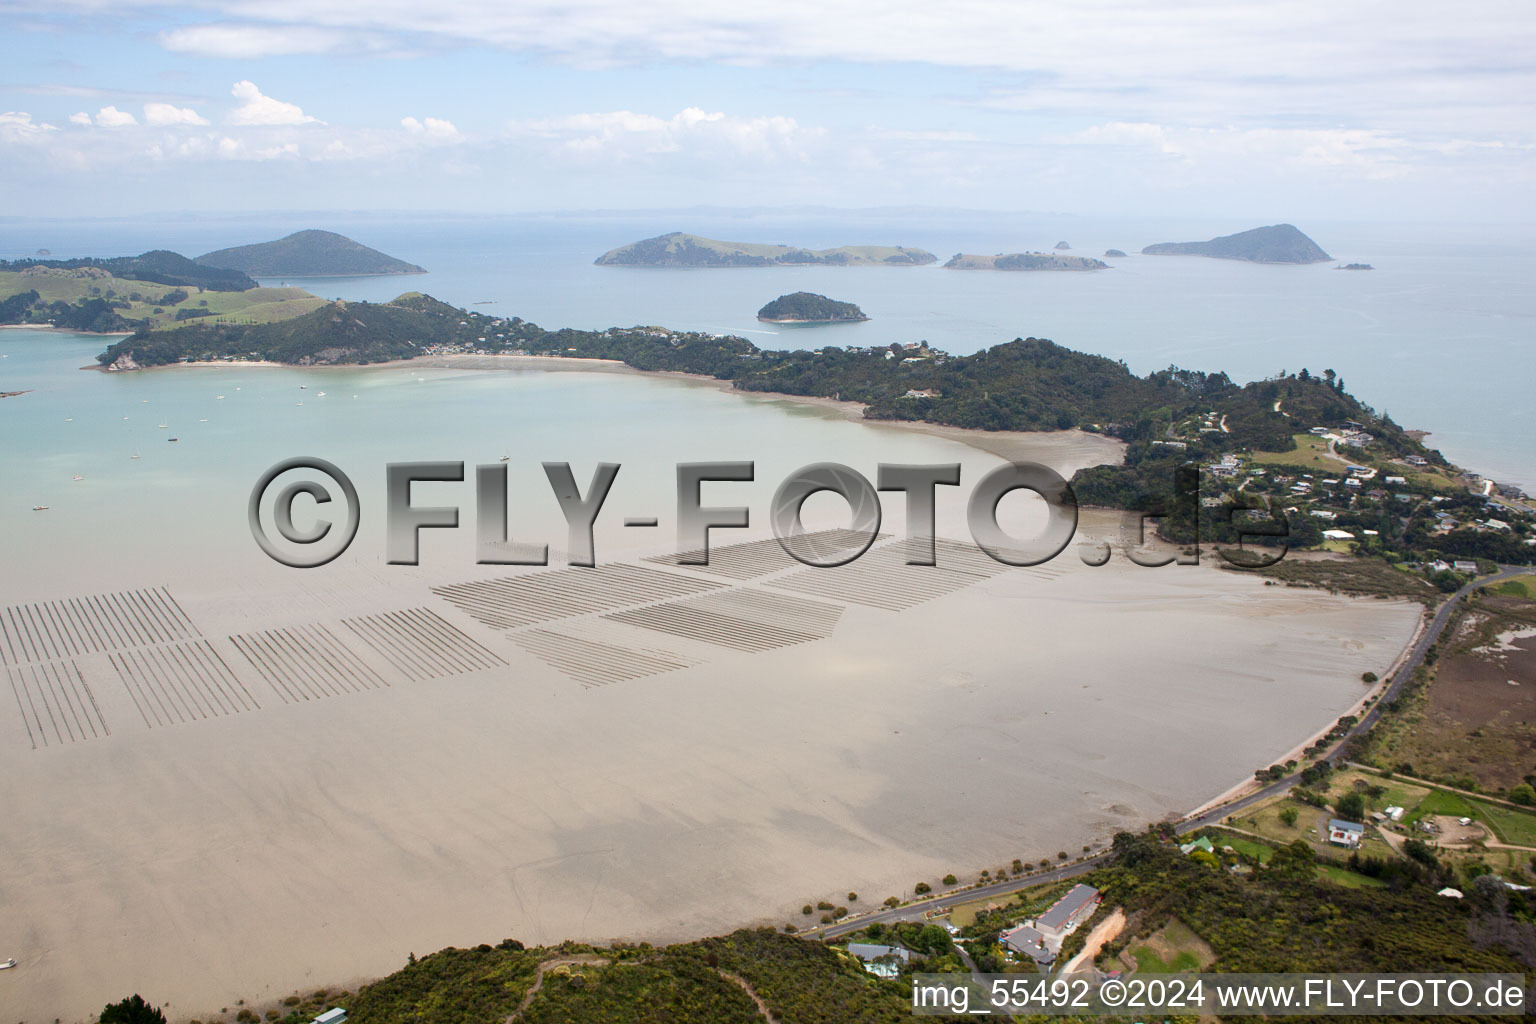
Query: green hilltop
308, 254
1278, 243
683, 250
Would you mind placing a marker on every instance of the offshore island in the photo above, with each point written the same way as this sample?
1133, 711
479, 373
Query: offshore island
809, 308
1023, 261
683, 250
1278, 243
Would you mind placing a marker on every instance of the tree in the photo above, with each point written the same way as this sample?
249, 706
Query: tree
1298, 860
1523, 794
1351, 805
1368, 677
951, 880
133, 1010
922, 887
1288, 815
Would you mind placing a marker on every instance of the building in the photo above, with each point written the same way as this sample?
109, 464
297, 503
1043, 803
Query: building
1416, 460
1345, 833
882, 961
1338, 535
1199, 844
1029, 941
1462, 565
1071, 910
333, 1016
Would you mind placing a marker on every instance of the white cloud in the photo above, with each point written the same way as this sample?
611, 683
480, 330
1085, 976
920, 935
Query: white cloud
18, 126
256, 109
160, 114
625, 134
111, 117
431, 128
247, 42
80, 118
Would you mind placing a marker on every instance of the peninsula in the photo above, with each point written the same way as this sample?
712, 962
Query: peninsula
683, 250
1278, 243
809, 308
1023, 261
308, 254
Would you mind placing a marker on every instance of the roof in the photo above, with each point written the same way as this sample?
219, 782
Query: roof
1076, 898
331, 1016
1340, 825
1025, 939
870, 951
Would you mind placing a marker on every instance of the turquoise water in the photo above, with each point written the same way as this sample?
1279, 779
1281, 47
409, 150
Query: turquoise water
179, 507
1440, 335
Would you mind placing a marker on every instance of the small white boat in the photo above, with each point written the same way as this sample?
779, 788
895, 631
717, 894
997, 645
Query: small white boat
79, 478
202, 421
6, 965
39, 508
163, 426
320, 395
134, 455
69, 419
303, 387
506, 458
221, 398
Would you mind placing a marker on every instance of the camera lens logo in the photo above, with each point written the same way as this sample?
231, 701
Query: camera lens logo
305, 549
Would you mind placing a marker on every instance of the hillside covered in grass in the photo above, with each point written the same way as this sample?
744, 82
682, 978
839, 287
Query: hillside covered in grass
683, 250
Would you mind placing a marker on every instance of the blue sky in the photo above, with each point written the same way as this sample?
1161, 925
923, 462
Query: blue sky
1276, 111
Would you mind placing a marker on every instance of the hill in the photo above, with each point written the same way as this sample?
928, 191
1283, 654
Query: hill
308, 254
1023, 261
337, 332
808, 308
682, 250
158, 266
1278, 243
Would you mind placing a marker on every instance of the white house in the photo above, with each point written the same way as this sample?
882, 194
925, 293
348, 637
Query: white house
333, 1016
1345, 833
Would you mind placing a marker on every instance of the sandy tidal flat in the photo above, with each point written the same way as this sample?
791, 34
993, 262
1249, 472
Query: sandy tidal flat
311, 840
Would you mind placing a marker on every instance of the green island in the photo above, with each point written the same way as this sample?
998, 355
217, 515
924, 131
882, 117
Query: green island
1278, 243
809, 308
309, 253
1023, 261
1114, 254
683, 250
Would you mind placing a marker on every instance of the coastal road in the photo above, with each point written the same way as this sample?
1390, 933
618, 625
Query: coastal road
916, 911
1399, 680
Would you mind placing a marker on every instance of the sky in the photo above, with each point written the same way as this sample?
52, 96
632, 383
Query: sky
1348, 110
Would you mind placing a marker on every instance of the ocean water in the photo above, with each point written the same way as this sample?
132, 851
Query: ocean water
1439, 335
149, 508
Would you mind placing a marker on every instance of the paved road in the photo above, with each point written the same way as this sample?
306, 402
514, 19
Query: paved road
915, 911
